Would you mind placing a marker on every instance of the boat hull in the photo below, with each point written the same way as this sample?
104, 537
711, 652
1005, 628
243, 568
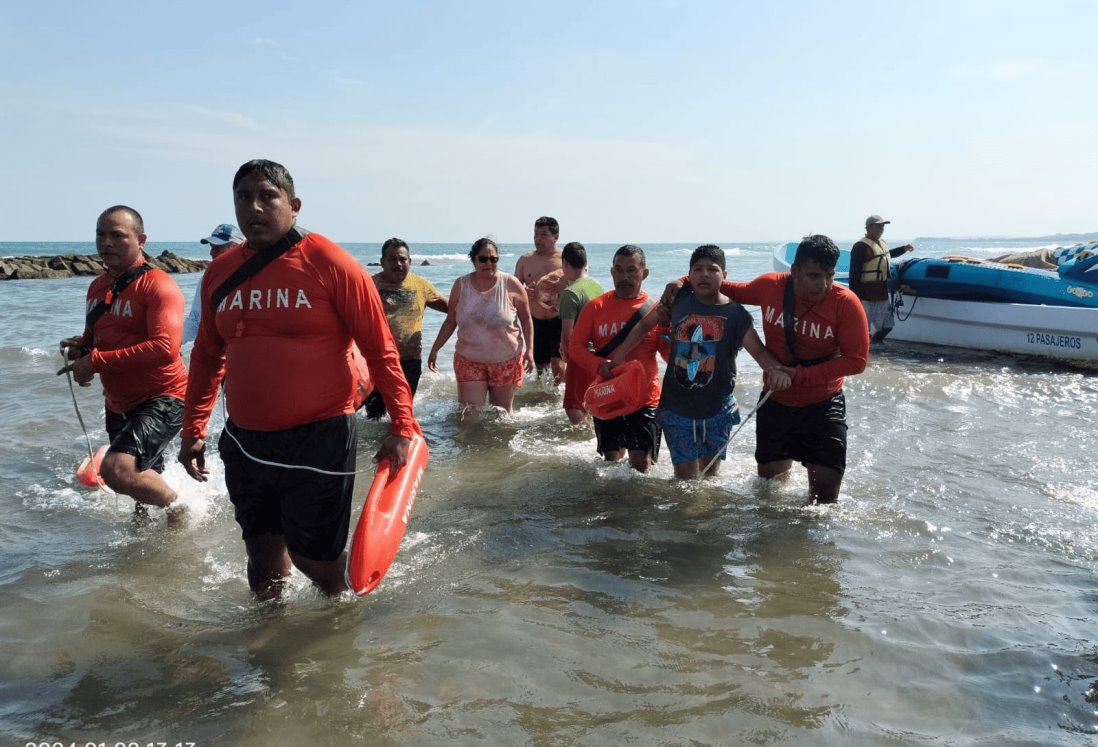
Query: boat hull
1059, 332
784, 254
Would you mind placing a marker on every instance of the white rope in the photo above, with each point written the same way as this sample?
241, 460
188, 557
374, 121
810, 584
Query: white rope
765, 397
72, 391
257, 460
91, 454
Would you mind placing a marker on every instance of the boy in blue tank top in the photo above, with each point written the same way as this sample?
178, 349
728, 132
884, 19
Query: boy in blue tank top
697, 408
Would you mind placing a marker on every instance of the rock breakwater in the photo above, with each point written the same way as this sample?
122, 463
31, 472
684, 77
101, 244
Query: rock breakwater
69, 265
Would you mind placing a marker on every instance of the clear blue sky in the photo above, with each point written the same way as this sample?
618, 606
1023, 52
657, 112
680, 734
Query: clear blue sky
628, 121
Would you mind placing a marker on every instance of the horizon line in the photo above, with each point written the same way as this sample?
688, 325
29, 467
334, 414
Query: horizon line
998, 237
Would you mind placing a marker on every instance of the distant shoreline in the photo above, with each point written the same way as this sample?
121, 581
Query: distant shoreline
1059, 238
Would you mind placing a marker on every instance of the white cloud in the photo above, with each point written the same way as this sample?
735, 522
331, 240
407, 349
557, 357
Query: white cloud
994, 71
235, 119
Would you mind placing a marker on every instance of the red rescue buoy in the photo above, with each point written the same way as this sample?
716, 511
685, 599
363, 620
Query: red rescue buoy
625, 392
384, 518
88, 471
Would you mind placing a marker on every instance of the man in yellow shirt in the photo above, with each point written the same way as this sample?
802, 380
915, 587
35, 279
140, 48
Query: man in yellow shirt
404, 295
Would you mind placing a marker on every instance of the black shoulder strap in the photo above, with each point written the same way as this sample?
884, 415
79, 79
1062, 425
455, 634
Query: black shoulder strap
626, 328
255, 263
789, 321
120, 284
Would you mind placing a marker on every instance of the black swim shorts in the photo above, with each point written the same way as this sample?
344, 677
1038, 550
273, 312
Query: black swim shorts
546, 340
145, 431
636, 431
375, 403
813, 434
311, 509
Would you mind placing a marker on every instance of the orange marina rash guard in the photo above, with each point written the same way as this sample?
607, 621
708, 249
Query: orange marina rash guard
283, 340
834, 326
137, 341
599, 322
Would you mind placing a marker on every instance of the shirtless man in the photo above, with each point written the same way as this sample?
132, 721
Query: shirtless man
530, 268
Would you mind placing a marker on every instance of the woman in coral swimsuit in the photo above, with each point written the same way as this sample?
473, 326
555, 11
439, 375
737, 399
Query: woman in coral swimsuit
491, 313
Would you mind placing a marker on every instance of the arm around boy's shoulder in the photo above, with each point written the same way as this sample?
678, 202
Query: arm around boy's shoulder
751, 292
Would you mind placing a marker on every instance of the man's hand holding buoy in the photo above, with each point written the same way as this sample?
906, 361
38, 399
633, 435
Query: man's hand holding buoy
396, 449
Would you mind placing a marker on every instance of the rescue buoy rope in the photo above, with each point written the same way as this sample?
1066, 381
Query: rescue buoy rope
84, 428
267, 463
761, 402
76, 406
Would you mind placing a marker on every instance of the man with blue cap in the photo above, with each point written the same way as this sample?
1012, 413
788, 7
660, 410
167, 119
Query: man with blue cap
221, 239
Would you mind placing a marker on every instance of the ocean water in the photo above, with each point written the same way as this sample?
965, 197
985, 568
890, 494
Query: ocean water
542, 596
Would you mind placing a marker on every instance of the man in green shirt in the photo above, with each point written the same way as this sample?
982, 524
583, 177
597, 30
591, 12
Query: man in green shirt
581, 289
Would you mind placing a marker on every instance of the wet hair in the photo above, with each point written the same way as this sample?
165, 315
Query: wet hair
481, 244
631, 251
712, 252
550, 223
819, 249
574, 255
273, 172
138, 221
394, 244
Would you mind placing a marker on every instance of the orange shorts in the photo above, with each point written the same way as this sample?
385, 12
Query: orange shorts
496, 374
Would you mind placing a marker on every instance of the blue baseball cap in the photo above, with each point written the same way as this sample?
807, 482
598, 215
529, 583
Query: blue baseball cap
226, 233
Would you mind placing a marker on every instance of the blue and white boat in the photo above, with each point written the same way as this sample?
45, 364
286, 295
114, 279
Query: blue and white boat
784, 254
964, 279
983, 305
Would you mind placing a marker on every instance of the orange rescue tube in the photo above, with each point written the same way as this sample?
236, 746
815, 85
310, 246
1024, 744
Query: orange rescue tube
384, 518
624, 392
88, 471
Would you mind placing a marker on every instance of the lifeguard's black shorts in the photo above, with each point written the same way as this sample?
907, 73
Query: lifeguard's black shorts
812, 434
636, 431
546, 340
310, 509
145, 431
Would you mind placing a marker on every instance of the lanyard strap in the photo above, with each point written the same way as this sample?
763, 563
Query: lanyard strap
120, 284
255, 263
619, 338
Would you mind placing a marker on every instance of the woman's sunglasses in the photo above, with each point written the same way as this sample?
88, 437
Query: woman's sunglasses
485, 259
